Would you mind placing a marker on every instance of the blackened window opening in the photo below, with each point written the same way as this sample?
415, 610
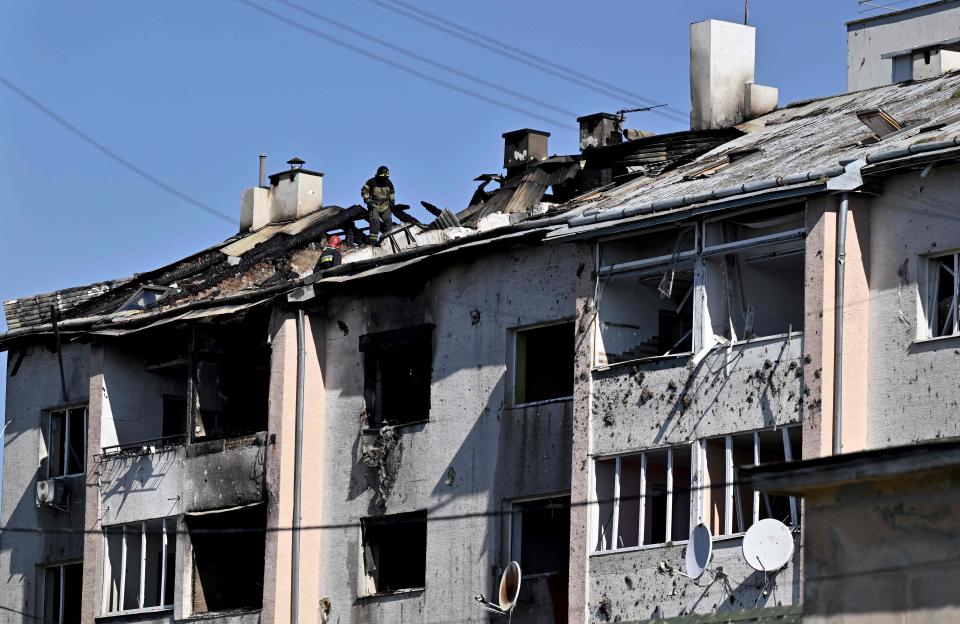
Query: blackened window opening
397, 374
395, 552
544, 363
228, 559
544, 535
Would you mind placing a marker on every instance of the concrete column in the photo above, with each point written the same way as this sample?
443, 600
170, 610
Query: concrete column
582, 469
93, 572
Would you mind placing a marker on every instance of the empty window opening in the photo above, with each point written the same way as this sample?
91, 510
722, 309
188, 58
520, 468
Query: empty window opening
230, 379
174, 418
145, 297
732, 507
643, 499
140, 561
540, 535
646, 315
397, 374
943, 295
62, 593
544, 363
394, 552
648, 249
228, 559
66, 441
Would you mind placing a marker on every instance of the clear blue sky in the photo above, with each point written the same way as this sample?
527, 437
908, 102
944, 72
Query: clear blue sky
192, 92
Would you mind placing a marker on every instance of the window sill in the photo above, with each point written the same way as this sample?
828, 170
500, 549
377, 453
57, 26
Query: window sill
565, 399
633, 549
397, 592
539, 575
376, 430
936, 339
66, 476
147, 610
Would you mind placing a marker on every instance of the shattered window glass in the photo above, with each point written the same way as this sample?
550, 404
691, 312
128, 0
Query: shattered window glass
943, 287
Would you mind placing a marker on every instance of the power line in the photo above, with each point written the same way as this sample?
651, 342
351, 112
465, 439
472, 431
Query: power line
525, 57
402, 67
112, 154
425, 59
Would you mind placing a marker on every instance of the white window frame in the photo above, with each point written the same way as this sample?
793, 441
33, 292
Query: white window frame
65, 410
698, 474
701, 252
108, 572
930, 305
62, 574
615, 524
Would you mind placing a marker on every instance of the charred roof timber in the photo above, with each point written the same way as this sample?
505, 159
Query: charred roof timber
522, 147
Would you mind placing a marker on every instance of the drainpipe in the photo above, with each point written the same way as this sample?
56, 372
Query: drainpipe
297, 466
838, 323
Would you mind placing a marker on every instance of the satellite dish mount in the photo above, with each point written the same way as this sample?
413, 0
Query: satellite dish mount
507, 593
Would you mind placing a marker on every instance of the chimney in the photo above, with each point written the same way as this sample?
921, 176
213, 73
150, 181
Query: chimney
722, 72
290, 195
522, 147
600, 130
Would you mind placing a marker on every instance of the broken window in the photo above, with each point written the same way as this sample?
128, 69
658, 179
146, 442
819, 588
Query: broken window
66, 441
643, 499
540, 535
140, 564
228, 559
544, 361
62, 593
230, 377
645, 296
397, 371
754, 273
943, 295
731, 507
145, 297
394, 552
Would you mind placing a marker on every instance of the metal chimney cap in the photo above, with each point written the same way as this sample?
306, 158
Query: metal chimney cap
296, 162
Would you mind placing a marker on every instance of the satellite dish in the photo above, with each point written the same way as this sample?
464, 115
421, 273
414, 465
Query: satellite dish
699, 551
507, 594
768, 545
509, 586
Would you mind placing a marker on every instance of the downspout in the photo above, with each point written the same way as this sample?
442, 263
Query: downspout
851, 180
838, 323
297, 467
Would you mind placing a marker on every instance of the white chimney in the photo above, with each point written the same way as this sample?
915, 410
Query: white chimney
291, 194
722, 72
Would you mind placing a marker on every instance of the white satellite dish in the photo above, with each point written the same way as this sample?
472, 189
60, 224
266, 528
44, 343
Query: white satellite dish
508, 592
699, 551
768, 545
509, 586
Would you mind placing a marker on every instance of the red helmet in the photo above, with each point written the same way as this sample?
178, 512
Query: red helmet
334, 241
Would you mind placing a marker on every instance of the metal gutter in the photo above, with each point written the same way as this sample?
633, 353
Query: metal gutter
297, 469
839, 283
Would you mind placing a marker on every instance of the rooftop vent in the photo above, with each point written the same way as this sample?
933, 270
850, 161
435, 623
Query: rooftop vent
290, 195
522, 147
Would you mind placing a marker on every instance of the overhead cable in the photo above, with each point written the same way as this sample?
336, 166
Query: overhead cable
401, 66
112, 154
525, 57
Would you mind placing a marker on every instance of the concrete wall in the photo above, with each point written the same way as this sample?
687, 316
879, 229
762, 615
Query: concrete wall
34, 388
473, 454
913, 391
869, 39
883, 551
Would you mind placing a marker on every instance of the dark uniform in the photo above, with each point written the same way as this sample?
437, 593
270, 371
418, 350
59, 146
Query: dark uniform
378, 194
331, 257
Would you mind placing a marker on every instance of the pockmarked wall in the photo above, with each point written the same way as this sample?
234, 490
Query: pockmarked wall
476, 452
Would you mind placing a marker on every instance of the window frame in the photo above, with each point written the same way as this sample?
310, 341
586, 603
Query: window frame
372, 347
699, 486
699, 257
514, 362
367, 580
514, 530
165, 575
928, 292
48, 417
62, 574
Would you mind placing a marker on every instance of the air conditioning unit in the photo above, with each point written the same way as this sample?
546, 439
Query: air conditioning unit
51, 493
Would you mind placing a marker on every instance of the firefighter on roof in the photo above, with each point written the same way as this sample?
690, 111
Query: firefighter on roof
378, 195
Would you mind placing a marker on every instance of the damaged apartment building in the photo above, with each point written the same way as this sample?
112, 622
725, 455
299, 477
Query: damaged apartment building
568, 373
